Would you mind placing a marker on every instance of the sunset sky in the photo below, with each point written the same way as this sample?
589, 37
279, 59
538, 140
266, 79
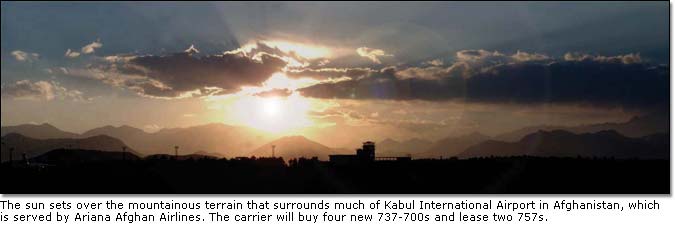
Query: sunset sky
334, 72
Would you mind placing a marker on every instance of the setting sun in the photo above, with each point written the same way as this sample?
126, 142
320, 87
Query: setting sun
278, 114
271, 107
272, 114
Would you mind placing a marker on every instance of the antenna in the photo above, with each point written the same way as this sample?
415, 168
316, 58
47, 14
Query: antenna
176, 152
25, 158
124, 153
273, 147
11, 151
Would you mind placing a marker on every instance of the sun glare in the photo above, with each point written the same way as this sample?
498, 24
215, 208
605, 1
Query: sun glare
276, 114
273, 114
271, 106
305, 50
281, 81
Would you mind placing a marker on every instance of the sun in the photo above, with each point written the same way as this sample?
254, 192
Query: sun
276, 114
271, 107
272, 114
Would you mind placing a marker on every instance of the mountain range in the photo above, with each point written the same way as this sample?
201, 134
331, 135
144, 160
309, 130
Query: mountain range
34, 147
220, 140
295, 147
225, 140
638, 126
70, 156
562, 143
413, 146
41, 131
451, 146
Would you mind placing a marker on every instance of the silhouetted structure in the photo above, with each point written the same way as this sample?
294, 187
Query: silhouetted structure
365, 154
25, 159
11, 152
124, 152
491, 175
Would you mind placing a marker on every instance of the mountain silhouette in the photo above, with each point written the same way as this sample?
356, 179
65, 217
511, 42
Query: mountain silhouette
73, 156
42, 131
607, 143
637, 126
451, 146
180, 157
221, 140
212, 154
390, 147
126, 133
294, 147
217, 138
33, 147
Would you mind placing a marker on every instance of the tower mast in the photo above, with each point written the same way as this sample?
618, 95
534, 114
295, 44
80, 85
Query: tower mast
124, 153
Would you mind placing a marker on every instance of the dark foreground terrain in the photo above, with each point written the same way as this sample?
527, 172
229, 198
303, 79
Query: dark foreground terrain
509, 175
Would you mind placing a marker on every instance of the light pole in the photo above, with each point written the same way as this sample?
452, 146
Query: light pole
124, 153
273, 147
176, 152
11, 151
24, 157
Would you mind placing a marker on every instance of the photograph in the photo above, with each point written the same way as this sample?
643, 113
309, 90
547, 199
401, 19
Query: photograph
381, 98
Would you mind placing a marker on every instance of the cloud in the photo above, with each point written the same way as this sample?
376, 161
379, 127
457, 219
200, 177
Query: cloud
90, 48
483, 57
372, 54
435, 62
520, 78
625, 59
293, 59
22, 56
192, 50
275, 93
468, 62
71, 54
40, 90
424, 73
527, 57
87, 49
327, 73
183, 75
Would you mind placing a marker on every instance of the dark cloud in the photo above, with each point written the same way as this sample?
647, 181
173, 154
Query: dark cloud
183, 74
275, 93
534, 79
327, 73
